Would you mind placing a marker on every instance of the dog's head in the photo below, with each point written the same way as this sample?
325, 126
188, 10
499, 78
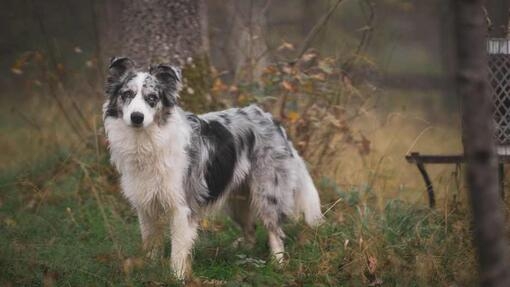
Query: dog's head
141, 98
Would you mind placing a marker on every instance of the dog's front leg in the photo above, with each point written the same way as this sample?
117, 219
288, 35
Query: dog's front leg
183, 233
152, 234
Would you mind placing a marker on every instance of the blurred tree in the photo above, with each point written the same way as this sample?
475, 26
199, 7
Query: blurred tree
239, 34
160, 31
156, 30
248, 43
479, 144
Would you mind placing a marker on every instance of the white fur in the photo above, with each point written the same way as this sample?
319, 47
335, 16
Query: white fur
307, 198
152, 160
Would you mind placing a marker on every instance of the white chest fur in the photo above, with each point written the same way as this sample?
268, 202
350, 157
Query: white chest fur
152, 162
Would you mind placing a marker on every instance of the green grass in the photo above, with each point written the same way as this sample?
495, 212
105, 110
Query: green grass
64, 221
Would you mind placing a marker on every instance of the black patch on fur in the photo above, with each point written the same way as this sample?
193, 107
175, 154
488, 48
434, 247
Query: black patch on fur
226, 118
168, 80
242, 112
271, 199
282, 217
222, 157
247, 141
115, 86
250, 140
279, 128
112, 89
166, 99
112, 112
275, 179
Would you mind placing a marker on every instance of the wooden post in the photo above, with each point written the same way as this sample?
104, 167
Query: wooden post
479, 145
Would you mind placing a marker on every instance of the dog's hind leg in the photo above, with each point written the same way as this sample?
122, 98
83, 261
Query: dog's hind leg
269, 203
151, 229
242, 213
183, 232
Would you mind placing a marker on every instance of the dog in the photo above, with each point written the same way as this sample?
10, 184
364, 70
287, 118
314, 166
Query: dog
176, 166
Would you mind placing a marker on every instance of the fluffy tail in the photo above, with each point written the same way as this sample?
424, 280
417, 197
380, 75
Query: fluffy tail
307, 197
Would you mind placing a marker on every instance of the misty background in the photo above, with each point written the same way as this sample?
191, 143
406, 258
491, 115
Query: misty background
357, 84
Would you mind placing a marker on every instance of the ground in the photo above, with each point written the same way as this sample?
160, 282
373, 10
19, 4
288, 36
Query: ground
64, 222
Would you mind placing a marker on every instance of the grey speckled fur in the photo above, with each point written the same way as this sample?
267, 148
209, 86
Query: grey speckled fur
177, 166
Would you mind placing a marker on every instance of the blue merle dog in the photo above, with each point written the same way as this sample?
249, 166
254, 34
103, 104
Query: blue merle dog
176, 166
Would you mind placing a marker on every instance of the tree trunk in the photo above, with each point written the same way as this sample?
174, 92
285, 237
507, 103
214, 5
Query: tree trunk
248, 44
239, 36
161, 31
154, 31
478, 141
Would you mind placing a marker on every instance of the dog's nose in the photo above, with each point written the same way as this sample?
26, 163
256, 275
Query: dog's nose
137, 118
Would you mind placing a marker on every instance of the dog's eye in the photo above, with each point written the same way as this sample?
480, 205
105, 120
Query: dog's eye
152, 99
127, 94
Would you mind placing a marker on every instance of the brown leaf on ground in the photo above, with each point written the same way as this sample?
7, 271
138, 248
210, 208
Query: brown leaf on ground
49, 278
130, 264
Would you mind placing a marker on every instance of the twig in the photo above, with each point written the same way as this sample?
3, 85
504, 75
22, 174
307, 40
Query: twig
95, 193
54, 65
51, 84
266, 7
315, 30
27, 119
365, 37
332, 206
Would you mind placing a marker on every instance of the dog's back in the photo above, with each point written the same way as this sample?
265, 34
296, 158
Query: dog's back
247, 148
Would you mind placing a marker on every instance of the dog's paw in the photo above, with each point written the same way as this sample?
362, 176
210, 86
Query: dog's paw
279, 259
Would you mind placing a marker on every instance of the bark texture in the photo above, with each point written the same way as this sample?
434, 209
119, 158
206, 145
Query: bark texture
162, 31
153, 31
479, 144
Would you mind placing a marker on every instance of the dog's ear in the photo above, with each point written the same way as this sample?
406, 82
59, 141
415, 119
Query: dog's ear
168, 75
170, 78
120, 66
118, 69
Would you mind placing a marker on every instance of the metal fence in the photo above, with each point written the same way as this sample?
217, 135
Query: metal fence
499, 78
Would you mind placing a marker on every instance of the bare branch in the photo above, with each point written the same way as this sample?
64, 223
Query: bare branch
315, 30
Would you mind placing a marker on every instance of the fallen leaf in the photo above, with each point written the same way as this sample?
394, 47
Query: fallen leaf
372, 264
130, 264
50, 278
219, 86
16, 71
293, 117
288, 86
286, 46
